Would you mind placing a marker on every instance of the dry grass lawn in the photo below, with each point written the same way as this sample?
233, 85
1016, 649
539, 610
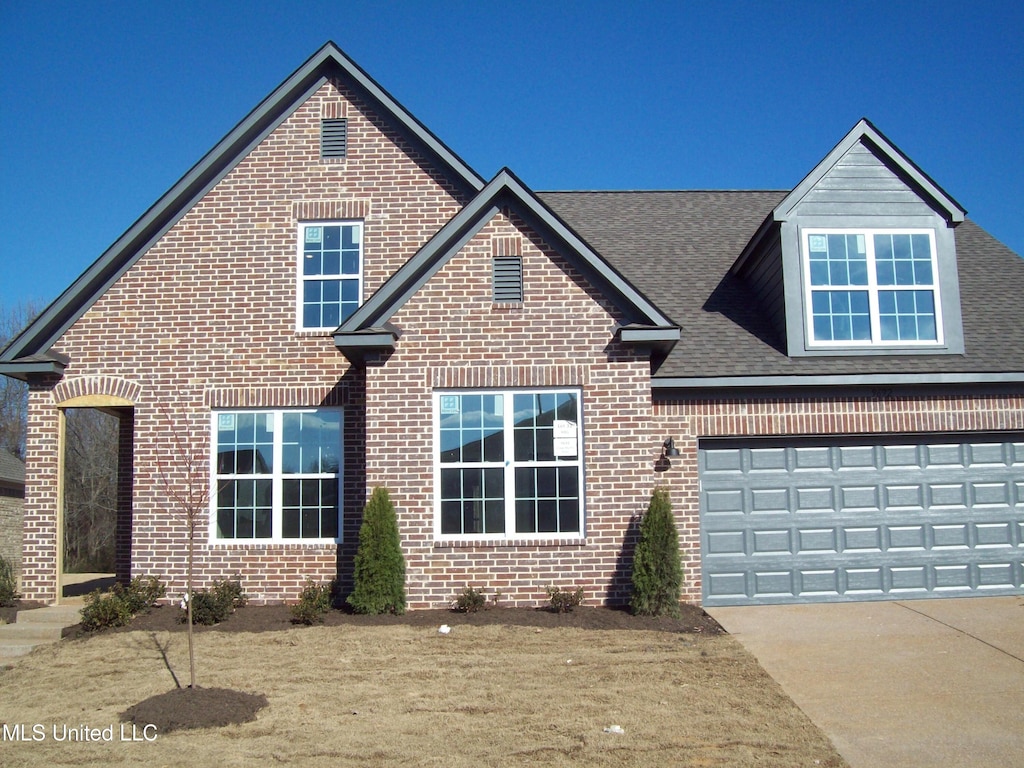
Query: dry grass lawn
408, 696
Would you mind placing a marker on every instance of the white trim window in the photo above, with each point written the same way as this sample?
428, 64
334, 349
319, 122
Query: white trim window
277, 475
870, 287
508, 464
330, 273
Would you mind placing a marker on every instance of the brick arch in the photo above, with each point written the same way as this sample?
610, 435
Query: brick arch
96, 391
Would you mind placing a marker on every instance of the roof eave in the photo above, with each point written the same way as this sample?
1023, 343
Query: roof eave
833, 380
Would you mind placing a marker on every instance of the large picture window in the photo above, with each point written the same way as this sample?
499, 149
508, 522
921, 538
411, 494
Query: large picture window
330, 273
869, 287
509, 463
277, 475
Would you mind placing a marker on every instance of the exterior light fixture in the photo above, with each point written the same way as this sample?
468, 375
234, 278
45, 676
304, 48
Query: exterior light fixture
669, 449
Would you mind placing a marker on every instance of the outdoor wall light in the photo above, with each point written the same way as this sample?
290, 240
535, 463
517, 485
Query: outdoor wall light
669, 449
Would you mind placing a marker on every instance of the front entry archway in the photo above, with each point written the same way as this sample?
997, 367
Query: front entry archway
95, 493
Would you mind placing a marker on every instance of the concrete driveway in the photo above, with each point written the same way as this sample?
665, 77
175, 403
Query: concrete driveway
899, 684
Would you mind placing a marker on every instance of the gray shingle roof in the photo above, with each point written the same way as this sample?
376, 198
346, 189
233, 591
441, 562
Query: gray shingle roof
12, 470
677, 247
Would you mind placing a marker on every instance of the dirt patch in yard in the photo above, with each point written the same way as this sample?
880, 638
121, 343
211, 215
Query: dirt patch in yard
507, 687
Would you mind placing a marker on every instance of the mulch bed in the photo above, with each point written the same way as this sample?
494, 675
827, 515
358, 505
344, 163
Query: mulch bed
269, 618
188, 708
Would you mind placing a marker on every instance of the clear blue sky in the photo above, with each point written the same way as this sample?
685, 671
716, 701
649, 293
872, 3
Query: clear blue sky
104, 105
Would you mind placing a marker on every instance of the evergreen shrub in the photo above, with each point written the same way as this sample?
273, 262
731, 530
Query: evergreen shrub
657, 570
379, 563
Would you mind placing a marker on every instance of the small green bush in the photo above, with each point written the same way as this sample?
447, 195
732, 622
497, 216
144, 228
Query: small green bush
379, 564
216, 604
141, 594
104, 611
563, 601
8, 584
470, 601
314, 603
121, 604
657, 571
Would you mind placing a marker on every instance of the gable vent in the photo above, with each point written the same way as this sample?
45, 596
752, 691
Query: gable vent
333, 137
507, 279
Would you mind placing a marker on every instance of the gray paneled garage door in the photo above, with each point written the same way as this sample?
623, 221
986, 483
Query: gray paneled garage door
807, 520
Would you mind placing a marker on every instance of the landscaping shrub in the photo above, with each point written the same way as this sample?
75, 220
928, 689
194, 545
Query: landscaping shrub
563, 601
314, 602
657, 571
8, 584
141, 594
379, 564
471, 600
214, 605
121, 604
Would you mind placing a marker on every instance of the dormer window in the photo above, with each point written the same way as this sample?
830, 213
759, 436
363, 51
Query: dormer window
869, 287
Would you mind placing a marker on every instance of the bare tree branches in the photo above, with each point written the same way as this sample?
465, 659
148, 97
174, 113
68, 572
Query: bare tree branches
184, 473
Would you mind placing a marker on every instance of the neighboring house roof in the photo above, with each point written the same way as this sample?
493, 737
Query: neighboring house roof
12, 470
368, 327
678, 248
27, 352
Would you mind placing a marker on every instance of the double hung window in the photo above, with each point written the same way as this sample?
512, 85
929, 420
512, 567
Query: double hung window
330, 273
277, 475
868, 287
509, 464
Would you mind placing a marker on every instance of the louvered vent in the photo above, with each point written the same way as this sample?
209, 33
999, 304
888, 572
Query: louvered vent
333, 137
507, 279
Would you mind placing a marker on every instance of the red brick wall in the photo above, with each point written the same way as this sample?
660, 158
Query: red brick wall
689, 420
206, 318
454, 336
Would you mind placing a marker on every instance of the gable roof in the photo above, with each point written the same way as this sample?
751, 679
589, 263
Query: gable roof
12, 470
677, 247
369, 328
865, 133
27, 352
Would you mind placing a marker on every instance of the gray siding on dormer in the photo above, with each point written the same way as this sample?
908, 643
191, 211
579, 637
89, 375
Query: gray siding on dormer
765, 279
860, 184
862, 190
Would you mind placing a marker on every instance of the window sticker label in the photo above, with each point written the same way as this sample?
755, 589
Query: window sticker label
565, 429
449, 404
565, 446
817, 242
357, 233
226, 421
270, 423
314, 234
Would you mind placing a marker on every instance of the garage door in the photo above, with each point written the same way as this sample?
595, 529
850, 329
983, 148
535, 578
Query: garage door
805, 520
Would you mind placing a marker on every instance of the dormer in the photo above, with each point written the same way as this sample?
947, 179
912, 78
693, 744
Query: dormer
859, 258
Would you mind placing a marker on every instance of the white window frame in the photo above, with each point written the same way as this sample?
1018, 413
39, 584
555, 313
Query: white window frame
301, 278
872, 288
277, 479
509, 464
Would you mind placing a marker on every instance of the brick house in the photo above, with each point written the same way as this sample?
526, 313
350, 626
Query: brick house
12, 504
829, 380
